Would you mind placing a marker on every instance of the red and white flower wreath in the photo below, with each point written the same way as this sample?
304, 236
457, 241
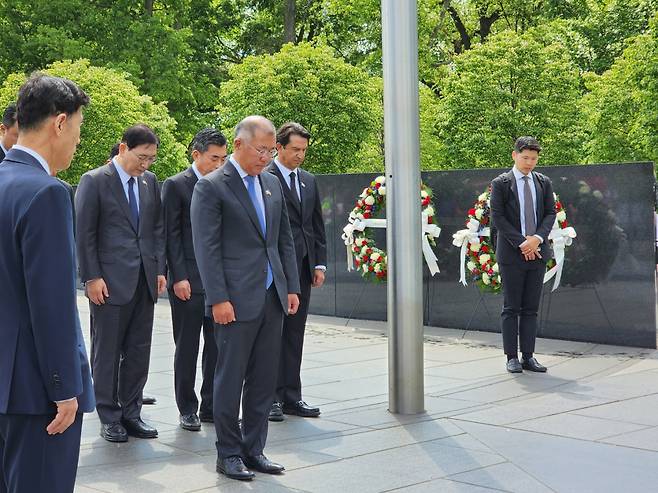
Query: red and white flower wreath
478, 252
362, 251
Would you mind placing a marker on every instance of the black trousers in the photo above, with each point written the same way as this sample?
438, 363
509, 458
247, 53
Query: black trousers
120, 353
32, 460
247, 364
188, 318
522, 285
289, 386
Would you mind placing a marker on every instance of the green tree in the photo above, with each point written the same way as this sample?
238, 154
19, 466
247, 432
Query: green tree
512, 85
115, 104
168, 48
622, 106
331, 98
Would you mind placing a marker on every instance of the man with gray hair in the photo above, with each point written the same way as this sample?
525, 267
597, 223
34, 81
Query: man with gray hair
246, 257
186, 294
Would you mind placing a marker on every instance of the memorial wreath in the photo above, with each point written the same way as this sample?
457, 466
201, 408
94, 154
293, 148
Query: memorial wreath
362, 250
478, 253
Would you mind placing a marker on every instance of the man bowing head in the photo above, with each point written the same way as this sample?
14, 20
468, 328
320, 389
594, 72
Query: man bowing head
246, 258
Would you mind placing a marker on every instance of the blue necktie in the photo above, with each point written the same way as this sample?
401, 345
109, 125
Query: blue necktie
251, 188
132, 202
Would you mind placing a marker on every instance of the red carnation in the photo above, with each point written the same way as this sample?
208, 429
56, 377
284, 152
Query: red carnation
471, 212
371, 268
430, 219
366, 215
369, 251
565, 224
377, 185
484, 248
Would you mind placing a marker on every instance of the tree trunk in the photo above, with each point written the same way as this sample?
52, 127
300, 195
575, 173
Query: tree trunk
289, 21
148, 7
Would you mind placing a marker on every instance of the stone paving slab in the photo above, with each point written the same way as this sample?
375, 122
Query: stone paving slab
589, 424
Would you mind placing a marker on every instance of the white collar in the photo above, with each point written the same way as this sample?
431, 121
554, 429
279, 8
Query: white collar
518, 175
236, 165
35, 155
285, 171
195, 168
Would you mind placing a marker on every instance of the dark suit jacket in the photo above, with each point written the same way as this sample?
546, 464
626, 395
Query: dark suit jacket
176, 198
2, 155
108, 245
506, 216
230, 249
307, 224
42, 353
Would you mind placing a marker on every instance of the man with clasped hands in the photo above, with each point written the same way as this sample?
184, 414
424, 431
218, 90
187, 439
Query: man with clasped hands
246, 257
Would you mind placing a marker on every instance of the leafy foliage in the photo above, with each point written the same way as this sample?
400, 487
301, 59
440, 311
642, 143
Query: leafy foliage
332, 99
115, 105
512, 85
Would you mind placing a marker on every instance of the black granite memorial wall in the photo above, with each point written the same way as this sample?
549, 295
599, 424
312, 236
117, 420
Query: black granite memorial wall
607, 294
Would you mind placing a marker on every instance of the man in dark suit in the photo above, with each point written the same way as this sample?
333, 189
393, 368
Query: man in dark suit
8, 130
305, 213
45, 382
186, 295
120, 241
523, 212
245, 253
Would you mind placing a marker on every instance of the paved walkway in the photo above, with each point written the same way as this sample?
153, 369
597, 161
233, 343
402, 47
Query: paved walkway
590, 424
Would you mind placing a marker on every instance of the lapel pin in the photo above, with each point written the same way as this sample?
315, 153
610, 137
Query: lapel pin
267, 192
144, 182
302, 183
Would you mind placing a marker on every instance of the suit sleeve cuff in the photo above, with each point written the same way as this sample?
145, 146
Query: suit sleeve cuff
541, 240
323, 268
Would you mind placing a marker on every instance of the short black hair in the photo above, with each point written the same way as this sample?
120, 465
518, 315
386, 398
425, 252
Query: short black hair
138, 135
9, 116
207, 137
289, 129
43, 96
527, 143
115, 150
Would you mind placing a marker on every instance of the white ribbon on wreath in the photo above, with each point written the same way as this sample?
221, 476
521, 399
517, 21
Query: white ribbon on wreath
356, 224
462, 238
561, 238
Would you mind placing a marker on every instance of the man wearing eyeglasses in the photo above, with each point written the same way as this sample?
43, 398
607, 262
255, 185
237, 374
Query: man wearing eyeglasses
121, 252
246, 258
184, 283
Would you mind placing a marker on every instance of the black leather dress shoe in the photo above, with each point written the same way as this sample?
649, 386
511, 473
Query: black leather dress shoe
233, 467
206, 418
137, 428
114, 432
300, 408
261, 463
514, 366
149, 400
276, 413
531, 364
190, 422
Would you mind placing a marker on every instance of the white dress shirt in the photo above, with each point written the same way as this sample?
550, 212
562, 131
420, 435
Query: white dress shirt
195, 168
285, 172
